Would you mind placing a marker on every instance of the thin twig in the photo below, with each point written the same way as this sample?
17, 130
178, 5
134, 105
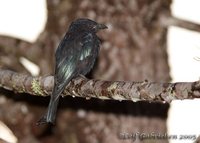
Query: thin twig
92, 88
167, 20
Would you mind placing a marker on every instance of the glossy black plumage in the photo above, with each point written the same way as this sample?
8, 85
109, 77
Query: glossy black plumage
75, 56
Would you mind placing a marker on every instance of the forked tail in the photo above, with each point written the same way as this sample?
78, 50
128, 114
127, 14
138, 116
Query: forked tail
50, 116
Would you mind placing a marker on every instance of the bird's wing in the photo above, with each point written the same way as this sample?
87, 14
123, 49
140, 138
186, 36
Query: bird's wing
90, 46
89, 52
67, 56
64, 73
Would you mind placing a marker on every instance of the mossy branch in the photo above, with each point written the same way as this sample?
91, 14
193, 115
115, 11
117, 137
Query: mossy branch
92, 88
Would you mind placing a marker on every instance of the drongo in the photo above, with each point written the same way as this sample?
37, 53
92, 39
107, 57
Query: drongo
75, 55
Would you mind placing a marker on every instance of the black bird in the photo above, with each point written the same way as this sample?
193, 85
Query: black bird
75, 55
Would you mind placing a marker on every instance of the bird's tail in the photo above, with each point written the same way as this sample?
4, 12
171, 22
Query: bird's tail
50, 116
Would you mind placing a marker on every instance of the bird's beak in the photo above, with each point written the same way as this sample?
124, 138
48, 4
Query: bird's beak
101, 26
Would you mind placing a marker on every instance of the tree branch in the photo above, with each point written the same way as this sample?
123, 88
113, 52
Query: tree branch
167, 20
91, 88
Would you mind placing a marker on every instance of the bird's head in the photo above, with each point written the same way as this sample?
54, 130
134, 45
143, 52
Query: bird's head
84, 24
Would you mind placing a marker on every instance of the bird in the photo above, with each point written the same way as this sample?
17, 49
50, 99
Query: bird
75, 56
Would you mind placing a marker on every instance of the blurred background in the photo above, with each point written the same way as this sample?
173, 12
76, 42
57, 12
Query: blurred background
141, 43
